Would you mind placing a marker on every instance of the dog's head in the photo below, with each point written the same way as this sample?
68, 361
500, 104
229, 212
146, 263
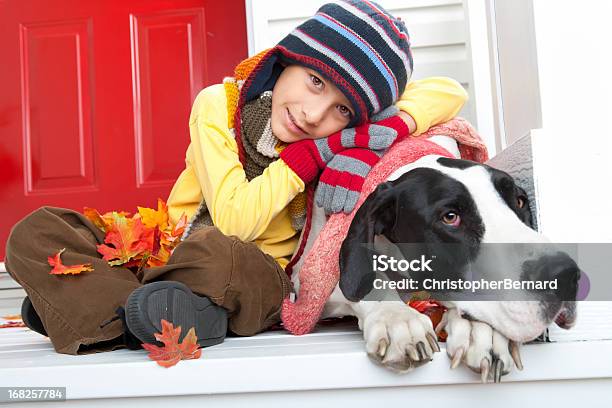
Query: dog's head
437, 200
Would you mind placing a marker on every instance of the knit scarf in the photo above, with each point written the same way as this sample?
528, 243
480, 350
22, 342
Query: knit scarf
257, 143
260, 146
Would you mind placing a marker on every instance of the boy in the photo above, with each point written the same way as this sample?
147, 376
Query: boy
258, 143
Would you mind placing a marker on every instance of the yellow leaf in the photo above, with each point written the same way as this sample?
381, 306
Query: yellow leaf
155, 218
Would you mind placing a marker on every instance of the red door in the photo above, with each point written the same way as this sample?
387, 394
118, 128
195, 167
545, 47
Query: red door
95, 97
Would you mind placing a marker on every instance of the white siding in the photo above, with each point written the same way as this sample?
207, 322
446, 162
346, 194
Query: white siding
437, 31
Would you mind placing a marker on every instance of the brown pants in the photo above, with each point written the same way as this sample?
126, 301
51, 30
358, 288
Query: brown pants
234, 274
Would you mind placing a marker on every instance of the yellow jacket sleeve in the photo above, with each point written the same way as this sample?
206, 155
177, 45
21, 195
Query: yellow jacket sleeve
432, 101
213, 171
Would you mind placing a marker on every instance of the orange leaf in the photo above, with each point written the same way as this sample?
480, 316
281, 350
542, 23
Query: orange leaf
99, 221
433, 310
173, 351
152, 218
422, 305
179, 228
146, 239
156, 241
160, 258
12, 324
129, 239
172, 236
61, 269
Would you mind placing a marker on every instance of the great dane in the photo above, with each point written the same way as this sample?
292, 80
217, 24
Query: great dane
437, 199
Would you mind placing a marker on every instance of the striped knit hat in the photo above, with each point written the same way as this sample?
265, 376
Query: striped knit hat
356, 45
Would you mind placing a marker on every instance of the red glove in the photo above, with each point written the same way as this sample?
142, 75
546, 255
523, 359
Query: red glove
307, 157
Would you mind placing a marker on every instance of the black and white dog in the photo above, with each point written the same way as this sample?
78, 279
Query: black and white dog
436, 199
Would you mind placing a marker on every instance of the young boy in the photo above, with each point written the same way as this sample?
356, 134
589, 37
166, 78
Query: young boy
258, 143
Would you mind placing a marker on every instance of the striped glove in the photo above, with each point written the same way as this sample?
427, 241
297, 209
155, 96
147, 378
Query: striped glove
307, 157
342, 180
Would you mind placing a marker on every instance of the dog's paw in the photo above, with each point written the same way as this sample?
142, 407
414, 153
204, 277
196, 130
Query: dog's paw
482, 348
398, 337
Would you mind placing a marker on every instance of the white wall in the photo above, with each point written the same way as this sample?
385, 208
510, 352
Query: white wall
574, 144
575, 64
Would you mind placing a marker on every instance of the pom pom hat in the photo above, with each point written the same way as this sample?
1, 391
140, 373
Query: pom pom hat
355, 44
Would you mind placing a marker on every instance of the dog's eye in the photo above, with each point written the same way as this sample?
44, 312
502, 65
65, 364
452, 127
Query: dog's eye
451, 218
521, 201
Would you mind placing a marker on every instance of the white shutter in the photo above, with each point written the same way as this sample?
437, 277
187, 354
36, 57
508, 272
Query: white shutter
437, 30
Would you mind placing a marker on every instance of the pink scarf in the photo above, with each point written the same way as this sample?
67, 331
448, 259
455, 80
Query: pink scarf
320, 272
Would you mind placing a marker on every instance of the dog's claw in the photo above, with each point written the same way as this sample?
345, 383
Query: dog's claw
412, 353
433, 342
498, 368
516, 355
382, 348
485, 365
456, 358
422, 352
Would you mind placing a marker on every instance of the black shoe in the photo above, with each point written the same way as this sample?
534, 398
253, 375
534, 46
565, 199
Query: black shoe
175, 302
30, 318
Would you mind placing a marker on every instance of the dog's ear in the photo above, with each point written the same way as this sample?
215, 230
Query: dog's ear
375, 216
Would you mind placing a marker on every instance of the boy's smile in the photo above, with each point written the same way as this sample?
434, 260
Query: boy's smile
307, 106
293, 125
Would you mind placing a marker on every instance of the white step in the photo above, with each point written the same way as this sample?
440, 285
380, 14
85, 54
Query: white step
261, 369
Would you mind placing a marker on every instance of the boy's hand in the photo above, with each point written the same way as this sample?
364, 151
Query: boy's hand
342, 180
379, 134
307, 157
409, 120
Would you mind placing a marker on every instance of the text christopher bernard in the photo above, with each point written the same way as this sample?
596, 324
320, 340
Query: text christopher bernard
385, 263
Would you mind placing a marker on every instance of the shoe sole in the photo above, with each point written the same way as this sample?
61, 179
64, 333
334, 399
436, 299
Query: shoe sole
176, 303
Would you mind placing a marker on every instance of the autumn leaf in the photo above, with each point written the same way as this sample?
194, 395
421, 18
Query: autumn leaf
152, 218
104, 222
60, 269
160, 258
129, 238
156, 241
180, 226
12, 321
147, 239
173, 351
12, 324
422, 305
433, 310
94, 216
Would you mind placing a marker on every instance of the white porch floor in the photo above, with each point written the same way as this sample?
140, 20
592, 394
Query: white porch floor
324, 368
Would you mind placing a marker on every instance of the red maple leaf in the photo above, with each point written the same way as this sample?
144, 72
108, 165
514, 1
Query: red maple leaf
173, 351
60, 269
129, 239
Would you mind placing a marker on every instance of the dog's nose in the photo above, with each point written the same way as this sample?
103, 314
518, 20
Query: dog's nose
558, 269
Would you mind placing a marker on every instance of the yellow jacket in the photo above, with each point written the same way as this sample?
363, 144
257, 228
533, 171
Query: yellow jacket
256, 210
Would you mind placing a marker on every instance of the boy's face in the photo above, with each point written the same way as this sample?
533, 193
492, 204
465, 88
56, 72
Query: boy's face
307, 106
